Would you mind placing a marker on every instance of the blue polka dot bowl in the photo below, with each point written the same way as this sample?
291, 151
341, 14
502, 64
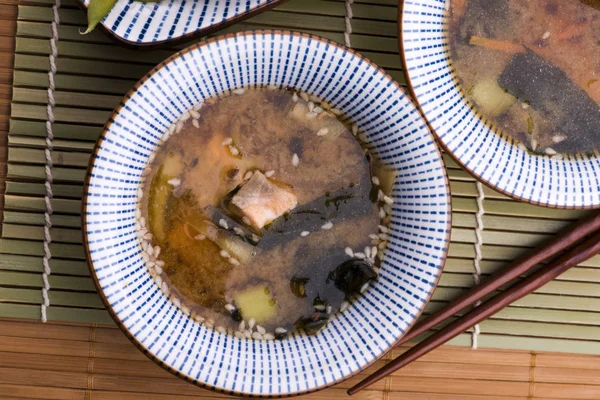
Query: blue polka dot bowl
143, 24
394, 131
570, 181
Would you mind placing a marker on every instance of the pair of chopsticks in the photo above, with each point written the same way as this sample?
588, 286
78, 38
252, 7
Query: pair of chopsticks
570, 256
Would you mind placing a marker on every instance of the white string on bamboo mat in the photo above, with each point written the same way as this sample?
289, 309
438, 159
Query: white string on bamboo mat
478, 256
348, 21
49, 164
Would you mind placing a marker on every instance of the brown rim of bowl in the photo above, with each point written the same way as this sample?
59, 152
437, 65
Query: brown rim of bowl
188, 36
478, 178
91, 165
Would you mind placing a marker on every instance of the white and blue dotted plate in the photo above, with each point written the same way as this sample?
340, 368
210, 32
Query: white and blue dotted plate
142, 23
395, 131
572, 182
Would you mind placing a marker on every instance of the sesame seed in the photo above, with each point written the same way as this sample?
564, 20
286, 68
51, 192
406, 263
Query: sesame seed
558, 138
367, 252
174, 182
261, 330
349, 252
248, 175
234, 150
270, 173
257, 336
165, 288
150, 251
272, 87
295, 97
387, 208
223, 223
557, 157
280, 330
160, 263
179, 127
323, 132
255, 238
200, 237
198, 106
383, 229
151, 158
311, 115
195, 114
268, 336
364, 287
375, 180
329, 310
311, 106
147, 171
248, 334
521, 146
327, 225
145, 257
176, 302
196, 123
304, 96
318, 110
222, 330
373, 251
336, 111
360, 256
227, 141
251, 323
138, 213
158, 269
239, 91
230, 307
344, 306
550, 151
534, 144
238, 231
234, 261
381, 213
147, 236
185, 116
354, 129
304, 233
185, 310
388, 200
373, 236
242, 326
224, 254
295, 160
239, 335
320, 307
383, 236
246, 220
172, 129
158, 280
140, 193
546, 35
525, 106
143, 222
209, 325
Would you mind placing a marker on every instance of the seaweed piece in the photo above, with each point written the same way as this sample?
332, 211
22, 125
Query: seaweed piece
550, 92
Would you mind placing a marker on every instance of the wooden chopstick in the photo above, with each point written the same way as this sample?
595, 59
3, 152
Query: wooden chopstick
587, 249
574, 233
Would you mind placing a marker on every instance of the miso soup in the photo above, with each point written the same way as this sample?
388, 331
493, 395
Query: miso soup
262, 213
532, 69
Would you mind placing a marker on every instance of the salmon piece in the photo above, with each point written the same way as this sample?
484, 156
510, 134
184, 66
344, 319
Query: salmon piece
261, 201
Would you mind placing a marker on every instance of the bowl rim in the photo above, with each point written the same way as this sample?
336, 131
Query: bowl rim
88, 175
478, 178
195, 34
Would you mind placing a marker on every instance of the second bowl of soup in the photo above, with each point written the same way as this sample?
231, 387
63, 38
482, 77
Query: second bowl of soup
512, 89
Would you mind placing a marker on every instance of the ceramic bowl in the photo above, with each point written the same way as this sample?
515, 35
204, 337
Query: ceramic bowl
571, 182
394, 130
143, 24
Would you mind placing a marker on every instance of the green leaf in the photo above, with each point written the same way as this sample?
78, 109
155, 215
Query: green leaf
97, 10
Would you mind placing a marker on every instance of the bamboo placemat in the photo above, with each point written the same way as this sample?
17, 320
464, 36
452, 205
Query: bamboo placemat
92, 75
56, 361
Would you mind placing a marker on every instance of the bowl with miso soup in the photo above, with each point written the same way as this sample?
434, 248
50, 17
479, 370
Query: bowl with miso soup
512, 90
266, 213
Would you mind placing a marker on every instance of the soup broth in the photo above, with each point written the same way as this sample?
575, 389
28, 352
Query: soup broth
532, 68
262, 213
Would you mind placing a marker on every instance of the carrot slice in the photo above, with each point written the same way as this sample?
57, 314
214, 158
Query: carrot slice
500, 45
